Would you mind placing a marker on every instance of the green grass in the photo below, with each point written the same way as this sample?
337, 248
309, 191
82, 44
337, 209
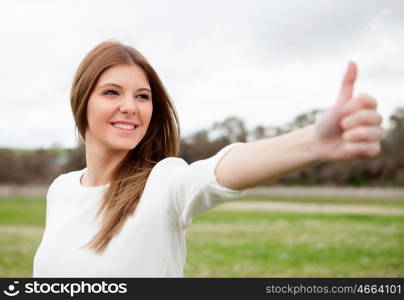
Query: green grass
22, 212
245, 244
262, 244
21, 225
18, 245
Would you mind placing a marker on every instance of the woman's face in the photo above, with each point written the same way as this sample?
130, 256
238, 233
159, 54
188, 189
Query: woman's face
122, 93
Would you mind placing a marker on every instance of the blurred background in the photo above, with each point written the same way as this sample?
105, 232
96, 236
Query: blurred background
237, 71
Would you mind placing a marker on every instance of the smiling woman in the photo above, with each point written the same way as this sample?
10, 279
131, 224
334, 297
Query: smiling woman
126, 213
147, 196
113, 114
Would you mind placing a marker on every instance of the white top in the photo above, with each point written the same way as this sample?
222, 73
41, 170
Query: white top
152, 241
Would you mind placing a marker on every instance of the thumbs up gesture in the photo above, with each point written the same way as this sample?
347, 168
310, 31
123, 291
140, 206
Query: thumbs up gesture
350, 129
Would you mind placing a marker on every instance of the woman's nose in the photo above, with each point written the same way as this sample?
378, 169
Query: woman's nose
128, 105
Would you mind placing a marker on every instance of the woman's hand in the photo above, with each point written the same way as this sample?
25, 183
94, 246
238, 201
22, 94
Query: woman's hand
348, 130
351, 128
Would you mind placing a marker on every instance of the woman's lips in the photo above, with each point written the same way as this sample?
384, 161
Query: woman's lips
124, 130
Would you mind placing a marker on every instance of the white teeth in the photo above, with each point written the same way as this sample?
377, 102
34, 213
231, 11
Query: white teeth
124, 126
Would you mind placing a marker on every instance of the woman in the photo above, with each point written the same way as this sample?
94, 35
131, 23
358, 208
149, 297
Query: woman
126, 213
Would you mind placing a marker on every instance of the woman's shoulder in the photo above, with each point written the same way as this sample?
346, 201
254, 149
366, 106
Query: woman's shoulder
169, 166
167, 169
65, 177
171, 162
68, 175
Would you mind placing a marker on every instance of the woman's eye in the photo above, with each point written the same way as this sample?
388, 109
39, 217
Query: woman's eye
114, 92
106, 92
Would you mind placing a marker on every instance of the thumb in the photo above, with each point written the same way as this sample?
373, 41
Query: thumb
347, 84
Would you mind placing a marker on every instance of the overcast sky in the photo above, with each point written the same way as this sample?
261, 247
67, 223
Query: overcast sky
262, 61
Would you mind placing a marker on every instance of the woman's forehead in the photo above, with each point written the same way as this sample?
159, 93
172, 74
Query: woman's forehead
125, 76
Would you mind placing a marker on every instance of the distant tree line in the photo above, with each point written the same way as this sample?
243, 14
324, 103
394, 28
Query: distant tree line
40, 167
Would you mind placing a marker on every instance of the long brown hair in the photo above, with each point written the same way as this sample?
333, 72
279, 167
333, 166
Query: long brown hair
162, 139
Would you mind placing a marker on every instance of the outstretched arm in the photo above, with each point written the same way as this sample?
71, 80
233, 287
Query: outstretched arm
350, 129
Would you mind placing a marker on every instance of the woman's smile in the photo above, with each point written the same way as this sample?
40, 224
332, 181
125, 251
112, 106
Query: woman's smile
124, 128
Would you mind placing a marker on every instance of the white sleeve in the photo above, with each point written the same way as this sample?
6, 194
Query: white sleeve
196, 190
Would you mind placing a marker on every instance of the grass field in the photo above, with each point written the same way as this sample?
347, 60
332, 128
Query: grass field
249, 243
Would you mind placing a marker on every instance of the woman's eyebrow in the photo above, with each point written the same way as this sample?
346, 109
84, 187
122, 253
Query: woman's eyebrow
118, 86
